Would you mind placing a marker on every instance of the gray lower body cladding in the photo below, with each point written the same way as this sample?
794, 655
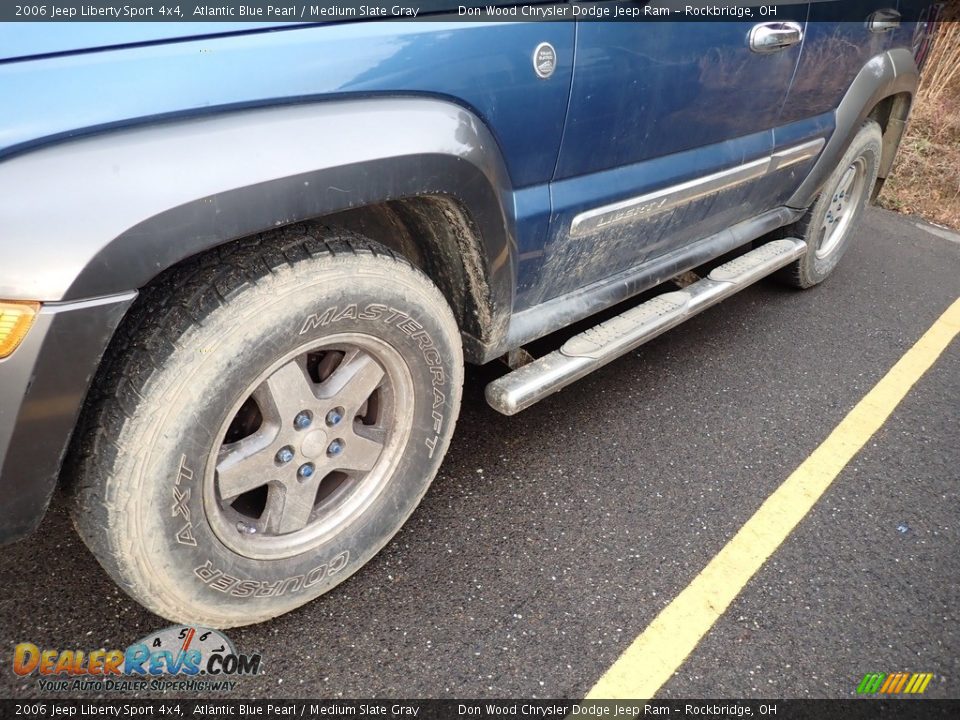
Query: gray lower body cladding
42, 388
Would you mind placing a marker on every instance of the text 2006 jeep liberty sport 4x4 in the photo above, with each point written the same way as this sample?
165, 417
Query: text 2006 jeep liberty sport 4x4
242, 265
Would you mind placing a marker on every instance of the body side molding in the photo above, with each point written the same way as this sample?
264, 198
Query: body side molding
665, 199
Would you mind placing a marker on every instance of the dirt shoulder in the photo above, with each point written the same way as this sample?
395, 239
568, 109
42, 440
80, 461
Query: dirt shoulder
926, 177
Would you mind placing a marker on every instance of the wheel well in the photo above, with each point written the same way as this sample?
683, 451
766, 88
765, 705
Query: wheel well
891, 114
437, 235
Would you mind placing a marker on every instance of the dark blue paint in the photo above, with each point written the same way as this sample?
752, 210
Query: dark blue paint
834, 51
642, 91
631, 108
23, 40
486, 68
652, 106
645, 106
568, 263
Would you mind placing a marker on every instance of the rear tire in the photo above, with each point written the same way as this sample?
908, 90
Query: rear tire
269, 417
828, 225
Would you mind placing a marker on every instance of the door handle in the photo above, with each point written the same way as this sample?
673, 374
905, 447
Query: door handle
883, 21
773, 37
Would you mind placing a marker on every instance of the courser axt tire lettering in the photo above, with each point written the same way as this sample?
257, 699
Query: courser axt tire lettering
268, 418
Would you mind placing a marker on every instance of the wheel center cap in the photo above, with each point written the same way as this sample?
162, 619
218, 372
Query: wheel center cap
314, 444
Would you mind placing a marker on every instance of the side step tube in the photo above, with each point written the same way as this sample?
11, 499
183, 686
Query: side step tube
597, 346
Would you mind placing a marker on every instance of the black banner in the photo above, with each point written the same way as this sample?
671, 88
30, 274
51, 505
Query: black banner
327, 11
862, 709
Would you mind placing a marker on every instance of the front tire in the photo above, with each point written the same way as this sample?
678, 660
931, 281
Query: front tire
269, 418
828, 225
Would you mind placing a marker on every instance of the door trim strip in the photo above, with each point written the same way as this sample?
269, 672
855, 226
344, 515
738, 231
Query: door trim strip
796, 154
660, 201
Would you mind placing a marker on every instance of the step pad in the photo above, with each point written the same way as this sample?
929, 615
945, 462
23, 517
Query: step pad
752, 261
591, 342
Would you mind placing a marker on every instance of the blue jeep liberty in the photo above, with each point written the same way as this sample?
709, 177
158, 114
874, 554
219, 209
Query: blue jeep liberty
242, 264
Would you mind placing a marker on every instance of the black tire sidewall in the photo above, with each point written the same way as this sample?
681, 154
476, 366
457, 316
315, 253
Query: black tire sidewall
185, 557
867, 144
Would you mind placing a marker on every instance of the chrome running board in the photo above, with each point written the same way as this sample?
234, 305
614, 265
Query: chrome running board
594, 348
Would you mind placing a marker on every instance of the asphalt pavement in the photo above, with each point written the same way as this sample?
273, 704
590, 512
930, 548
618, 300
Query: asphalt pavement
551, 539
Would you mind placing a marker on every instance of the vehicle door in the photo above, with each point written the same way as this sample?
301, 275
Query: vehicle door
667, 139
841, 37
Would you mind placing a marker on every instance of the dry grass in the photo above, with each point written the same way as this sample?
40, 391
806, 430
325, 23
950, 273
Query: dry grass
926, 177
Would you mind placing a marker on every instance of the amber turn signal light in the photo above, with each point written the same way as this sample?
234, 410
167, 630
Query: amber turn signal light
15, 319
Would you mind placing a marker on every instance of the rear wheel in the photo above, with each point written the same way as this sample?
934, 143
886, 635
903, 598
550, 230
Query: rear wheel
270, 419
828, 226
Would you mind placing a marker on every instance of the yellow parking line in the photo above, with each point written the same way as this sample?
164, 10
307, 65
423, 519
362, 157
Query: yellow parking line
657, 653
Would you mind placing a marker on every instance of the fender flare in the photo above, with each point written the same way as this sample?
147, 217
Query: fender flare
883, 76
105, 214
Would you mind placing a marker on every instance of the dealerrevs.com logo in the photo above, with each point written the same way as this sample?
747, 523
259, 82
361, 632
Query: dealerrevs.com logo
176, 658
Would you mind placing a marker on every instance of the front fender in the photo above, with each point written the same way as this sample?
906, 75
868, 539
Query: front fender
104, 215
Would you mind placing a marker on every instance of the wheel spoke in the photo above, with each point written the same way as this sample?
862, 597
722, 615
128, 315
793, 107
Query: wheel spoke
846, 181
288, 507
320, 445
246, 464
285, 393
362, 451
353, 382
371, 432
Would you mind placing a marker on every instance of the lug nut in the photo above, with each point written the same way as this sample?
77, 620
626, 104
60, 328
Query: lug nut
284, 455
305, 471
302, 420
336, 447
334, 416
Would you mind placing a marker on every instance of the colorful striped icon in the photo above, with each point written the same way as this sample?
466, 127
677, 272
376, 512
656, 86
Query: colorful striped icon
894, 683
